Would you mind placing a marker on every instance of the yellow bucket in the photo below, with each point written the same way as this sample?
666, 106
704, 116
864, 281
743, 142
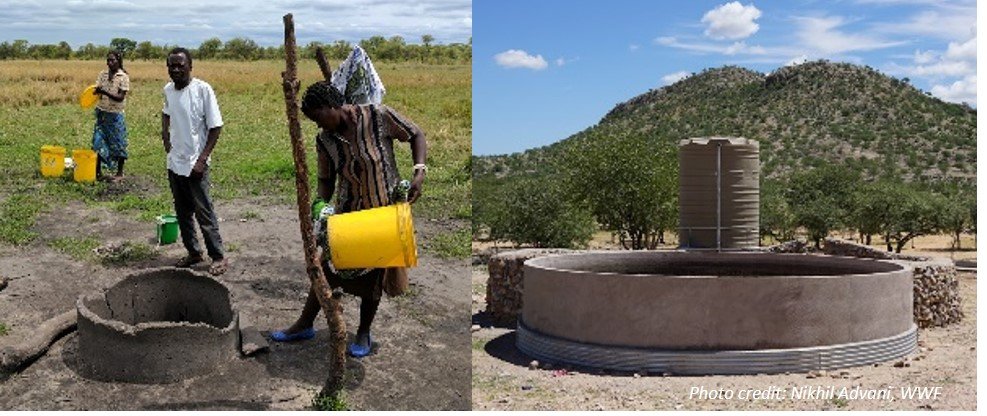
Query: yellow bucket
85, 165
88, 98
52, 161
377, 237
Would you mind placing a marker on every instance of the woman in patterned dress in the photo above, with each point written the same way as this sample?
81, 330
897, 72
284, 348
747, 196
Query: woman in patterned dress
356, 164
110, 132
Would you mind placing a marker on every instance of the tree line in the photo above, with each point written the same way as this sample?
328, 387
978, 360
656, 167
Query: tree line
834, 198
626, 182
380, 48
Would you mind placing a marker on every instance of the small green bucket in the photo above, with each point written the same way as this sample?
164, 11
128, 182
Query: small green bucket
167, 229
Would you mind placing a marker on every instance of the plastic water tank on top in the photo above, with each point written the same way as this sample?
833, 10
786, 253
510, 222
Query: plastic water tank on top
719, 193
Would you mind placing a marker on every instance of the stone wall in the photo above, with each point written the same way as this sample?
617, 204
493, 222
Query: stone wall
837, 247
505, 282
936, 294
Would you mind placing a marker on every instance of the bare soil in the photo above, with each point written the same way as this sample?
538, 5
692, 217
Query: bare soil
421, 361
503, 379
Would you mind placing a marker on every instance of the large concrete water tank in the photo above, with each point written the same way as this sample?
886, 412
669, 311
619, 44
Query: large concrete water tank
718, 193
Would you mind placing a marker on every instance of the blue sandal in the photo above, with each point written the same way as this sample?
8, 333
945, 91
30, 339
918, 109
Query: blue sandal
305, 334
359, 351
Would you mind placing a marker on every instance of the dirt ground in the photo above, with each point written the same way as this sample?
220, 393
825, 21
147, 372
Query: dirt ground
502, 379
421, 362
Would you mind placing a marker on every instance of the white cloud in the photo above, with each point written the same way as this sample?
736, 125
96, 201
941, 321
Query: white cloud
926, 57
743, 48
736, 48
964, 90
666, 40
102, 6
634, 47
731, 21
962, 51
515, 58
675, 77
560, 62
959, 60
821, 34
950, 23
944, 68
799, 60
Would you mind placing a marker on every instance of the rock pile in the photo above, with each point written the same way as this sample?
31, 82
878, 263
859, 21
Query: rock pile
936, 293
506, 280
794, 246
837, 247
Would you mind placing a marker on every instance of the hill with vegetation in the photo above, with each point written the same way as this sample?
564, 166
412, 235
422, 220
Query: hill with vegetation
804, 116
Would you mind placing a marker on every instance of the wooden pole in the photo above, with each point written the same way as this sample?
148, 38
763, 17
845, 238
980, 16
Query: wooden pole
330, 306
320, 57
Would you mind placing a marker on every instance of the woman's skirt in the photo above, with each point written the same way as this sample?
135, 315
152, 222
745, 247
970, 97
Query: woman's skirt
110, 138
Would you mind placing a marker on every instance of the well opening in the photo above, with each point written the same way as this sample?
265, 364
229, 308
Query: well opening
159, 325
169, 295
714, 264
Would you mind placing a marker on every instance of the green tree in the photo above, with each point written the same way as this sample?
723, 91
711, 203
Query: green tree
63, 50
146, 50
241, 49
540, 213
957, 211
309, 50
15, 50
339, 50
487, 204
630, 183
777, 219
427, 41
914, 213
820, 198
374, 46
123, 45
868, 215
210, 48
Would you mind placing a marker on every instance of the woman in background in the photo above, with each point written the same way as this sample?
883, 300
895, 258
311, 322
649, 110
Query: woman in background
110, 133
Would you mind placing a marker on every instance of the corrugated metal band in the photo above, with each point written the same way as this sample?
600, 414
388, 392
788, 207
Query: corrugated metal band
796, 360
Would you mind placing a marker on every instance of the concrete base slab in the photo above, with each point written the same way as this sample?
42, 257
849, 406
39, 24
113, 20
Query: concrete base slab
252, 341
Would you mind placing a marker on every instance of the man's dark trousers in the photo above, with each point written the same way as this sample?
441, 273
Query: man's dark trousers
192, 199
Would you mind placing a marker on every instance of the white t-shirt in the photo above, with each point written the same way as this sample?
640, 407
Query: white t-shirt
193, 111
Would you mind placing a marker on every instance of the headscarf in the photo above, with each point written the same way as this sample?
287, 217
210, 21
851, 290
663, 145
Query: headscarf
357, 79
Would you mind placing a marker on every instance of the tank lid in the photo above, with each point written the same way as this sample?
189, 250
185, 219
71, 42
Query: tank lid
735, 141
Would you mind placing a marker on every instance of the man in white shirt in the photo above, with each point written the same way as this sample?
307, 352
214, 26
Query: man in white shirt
190, 127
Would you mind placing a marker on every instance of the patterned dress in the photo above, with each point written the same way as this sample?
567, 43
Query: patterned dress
110, 131
366, 175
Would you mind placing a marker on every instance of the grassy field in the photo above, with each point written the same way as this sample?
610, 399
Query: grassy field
38, 106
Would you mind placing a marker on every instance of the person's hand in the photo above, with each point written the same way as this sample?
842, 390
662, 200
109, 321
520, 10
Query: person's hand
99, 91
416, 186
198, 169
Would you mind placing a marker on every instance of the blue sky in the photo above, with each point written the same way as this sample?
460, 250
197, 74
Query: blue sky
544, 70
188, 23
